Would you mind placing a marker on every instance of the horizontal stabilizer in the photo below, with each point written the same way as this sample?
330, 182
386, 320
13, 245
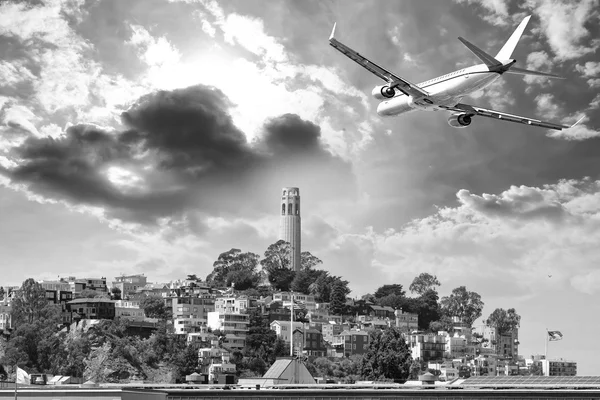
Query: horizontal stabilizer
522, 71
489, 60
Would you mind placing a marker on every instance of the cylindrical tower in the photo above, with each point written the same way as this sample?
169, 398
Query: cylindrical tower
289, 227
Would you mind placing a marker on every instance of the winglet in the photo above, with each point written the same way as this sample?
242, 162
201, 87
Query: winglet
578, 121
332, 31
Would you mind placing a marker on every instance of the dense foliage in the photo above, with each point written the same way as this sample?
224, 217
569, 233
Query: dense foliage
503, 320
461, 303
388, 357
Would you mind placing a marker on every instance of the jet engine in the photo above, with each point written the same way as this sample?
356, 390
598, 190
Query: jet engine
459, 120
383, 92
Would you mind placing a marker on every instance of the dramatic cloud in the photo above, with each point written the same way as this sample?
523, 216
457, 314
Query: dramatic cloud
518, 236
180, 153
564, 25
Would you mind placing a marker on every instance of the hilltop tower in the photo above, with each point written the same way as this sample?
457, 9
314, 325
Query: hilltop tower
289, 226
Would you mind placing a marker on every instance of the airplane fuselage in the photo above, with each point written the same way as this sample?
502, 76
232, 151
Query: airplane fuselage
445, 90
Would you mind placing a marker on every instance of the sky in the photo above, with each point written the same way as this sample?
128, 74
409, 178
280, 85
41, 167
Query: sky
150, 136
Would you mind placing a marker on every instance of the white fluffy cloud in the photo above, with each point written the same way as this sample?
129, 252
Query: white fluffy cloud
520, 235
563, 23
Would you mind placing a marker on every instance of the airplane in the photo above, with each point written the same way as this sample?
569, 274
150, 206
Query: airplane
445, 92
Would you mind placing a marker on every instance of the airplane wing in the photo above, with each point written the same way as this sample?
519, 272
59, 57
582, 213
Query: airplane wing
483, 112
406, 87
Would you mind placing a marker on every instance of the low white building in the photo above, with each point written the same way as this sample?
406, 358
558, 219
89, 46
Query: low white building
285, 298
189, 325
129, 310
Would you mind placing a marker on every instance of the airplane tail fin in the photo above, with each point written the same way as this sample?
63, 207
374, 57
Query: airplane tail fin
506, 51
489, 60
522, 71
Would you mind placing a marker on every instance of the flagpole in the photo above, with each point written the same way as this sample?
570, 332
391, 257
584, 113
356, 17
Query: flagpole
16, 380
546, 346
292, 325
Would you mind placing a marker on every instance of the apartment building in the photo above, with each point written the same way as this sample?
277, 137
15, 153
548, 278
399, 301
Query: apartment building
191, 307
354, 342
559, 367
456, 346
130, 310
505, 345
96, 308
406, 322
426, 347
314, 344
233, 304
129, 284
55, 285
234, 326
284, 329
330, 331
77, 285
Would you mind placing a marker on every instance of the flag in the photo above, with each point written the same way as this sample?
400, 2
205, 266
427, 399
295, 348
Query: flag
22, 377
554, 335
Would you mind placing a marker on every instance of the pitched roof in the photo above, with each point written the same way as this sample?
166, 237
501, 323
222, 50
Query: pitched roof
277, 369
91, 300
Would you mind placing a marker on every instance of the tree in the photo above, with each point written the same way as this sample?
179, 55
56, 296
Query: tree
387, 290
193, 278
235, 268
261, 344
423, 283
115, 293
277, 264
278, 256
444, 323
427, 308
2, 292
478, 339
462, 304
395, 301
388, 357
154, 307
308, 261
337, 304
322, 287
30, 303
504, 321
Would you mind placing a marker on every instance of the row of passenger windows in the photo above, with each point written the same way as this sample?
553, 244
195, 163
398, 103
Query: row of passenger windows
444, 77
290, 210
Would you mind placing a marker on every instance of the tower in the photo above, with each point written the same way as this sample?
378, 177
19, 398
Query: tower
289, 227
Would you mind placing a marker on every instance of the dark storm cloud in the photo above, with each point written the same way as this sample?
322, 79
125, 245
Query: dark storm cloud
290, 134
184, 153
191, 128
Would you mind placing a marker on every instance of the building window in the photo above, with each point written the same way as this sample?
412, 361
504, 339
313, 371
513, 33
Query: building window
290, 209
283, 209
297, 209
